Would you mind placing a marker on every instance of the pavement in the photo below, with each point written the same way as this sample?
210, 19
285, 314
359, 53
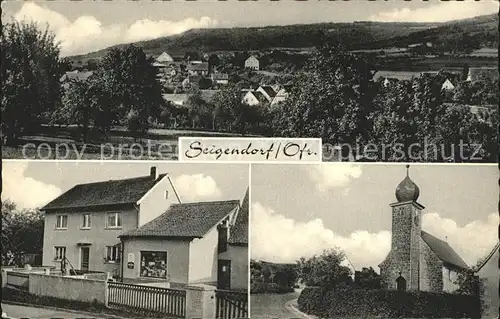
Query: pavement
18, 311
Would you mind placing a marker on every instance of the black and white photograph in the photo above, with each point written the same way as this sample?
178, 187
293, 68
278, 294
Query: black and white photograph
129, 239
374, 241
400, 81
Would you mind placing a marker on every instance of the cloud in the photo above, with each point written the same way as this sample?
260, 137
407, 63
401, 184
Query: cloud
277, 238
440, 12
471, 241
197, 187
26, 192
334, 175
86, 33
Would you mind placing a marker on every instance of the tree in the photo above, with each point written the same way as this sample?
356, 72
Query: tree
22, 232
30, 77
332, 99
129, 81
286, 276
226, 101
324, 270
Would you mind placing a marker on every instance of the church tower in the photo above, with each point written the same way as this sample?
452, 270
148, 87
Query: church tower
401, 268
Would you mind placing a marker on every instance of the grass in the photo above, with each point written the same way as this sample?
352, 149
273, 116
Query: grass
56, 142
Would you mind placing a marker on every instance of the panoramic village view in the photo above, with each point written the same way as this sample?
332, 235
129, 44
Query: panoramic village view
346, 241
129, 240
387, 83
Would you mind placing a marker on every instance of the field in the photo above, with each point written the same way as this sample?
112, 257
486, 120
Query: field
56, 142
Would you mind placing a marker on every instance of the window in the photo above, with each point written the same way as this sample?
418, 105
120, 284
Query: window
114, 220
113, 254
62, 221
166, 194
86, 221
60, 253
154, 264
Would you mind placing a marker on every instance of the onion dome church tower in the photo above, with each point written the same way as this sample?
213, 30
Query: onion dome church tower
417, 260
402, 264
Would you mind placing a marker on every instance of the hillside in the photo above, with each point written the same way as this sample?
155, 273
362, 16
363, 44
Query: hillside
357, 35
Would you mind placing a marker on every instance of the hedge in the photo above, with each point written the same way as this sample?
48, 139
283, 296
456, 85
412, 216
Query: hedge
261, 287
387, 304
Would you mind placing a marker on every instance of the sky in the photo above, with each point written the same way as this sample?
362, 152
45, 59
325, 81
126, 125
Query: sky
33, 184
86, 26
298, 211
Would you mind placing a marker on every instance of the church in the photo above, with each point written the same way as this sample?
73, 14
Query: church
417, 260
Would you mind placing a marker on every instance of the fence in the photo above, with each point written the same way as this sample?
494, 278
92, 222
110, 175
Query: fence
18, 280
144, 299
231, 304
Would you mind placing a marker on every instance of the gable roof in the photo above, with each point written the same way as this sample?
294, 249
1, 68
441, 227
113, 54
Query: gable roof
252, 58
269, 90
443, 251
164, 57
112, 192
189, 220
492, 253
239, 233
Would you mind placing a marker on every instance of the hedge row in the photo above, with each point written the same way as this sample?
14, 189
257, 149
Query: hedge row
387, 304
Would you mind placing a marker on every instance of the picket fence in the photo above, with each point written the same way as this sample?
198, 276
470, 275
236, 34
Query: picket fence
145, 299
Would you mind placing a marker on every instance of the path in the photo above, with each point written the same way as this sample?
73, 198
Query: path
274, 306
18, 312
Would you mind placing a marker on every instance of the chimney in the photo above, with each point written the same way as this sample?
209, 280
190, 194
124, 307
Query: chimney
153, 173
223, 230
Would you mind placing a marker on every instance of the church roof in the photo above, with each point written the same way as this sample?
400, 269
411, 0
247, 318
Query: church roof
444, 251
488, 257
407, 190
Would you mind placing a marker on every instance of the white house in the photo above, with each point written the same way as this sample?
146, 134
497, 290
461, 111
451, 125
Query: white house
280, 97
447, 85
164, 58
254, 98
82, 225
252, 63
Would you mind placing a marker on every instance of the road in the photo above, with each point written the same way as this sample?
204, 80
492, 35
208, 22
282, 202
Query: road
15, 311
273, 306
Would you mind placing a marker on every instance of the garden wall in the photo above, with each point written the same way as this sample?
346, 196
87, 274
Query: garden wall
387, 304
83, 290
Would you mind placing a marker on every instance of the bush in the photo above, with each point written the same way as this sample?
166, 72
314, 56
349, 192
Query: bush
387, 303
263, 287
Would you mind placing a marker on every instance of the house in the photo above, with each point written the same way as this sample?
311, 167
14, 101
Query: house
198, 68
74, 76
488, 272
83, 224
395, 75
176, 99
281, 95
481, 74
252, 63
254, 98
232, 260
182, 245
447, 85
267, 91
164, 58
417, 260
220, 78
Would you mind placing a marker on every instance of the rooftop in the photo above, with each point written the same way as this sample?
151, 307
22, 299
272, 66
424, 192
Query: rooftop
104, 193
188, 220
